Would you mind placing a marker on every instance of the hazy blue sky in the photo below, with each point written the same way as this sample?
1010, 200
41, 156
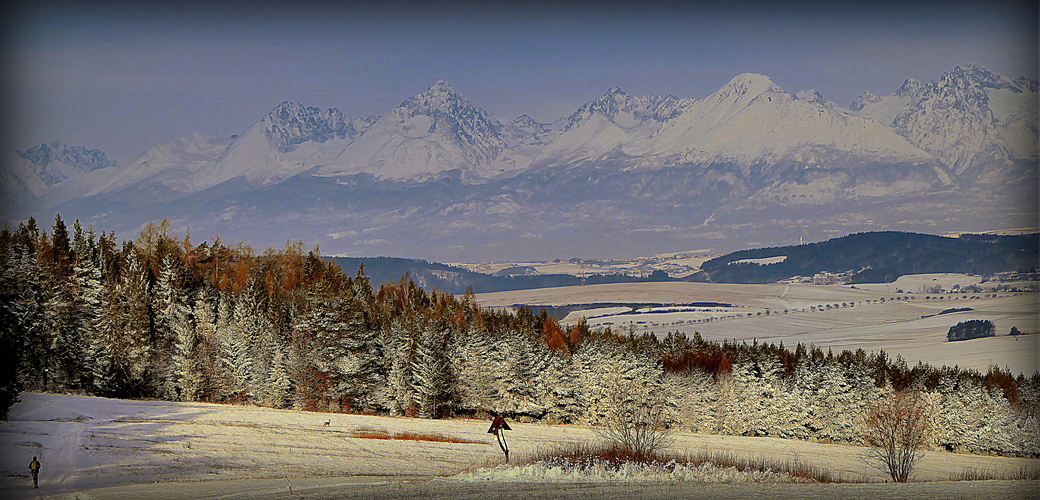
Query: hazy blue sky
123, 77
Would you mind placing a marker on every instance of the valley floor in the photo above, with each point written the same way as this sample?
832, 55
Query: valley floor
793, 313
104, 448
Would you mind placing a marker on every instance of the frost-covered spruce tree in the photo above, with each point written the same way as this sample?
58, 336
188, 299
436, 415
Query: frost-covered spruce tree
470, 362
752, 412
120, 351
87, 276
607, 375
624, 394
199, 374
272, 376
398, 345
343, 349
558, 394
135, 348
696, 396
188, 364
278, 392
514, 362
432, 380
173, 326
12, 330
235, 358
28, 309
64, 348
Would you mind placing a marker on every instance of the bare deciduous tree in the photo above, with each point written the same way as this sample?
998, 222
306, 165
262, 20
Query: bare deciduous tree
897, 428
636, 422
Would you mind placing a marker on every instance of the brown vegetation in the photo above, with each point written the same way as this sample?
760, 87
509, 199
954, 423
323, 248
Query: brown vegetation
410, 436
897, 428
585, 454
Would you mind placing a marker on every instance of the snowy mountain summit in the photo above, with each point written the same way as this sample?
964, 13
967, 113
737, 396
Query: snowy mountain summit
291, 124
680, 164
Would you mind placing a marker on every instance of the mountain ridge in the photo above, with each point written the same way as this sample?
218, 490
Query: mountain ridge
681, 167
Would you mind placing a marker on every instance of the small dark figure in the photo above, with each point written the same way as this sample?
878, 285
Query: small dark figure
34, 469
498, 425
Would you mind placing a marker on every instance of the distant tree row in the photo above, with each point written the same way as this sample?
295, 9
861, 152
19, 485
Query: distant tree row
162, 317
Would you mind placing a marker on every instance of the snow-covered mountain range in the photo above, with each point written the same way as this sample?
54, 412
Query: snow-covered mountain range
438, 176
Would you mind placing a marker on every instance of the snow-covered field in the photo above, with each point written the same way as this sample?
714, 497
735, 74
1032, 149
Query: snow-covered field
758, 312
676, 264
103, 448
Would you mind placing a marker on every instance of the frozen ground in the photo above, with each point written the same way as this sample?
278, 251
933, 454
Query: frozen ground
102, 448
759, 313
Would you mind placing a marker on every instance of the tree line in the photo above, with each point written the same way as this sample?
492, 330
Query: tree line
162, 317
882, 257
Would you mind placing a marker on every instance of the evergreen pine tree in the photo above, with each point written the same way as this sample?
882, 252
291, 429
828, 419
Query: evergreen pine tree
344, 350
433, 388
11, 330
135, 348
29, 309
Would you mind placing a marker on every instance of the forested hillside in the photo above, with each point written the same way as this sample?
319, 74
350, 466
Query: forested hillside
881, 257
163, 317
445, 278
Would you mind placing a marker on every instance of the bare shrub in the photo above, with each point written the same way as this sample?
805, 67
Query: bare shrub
897, 428
635, 423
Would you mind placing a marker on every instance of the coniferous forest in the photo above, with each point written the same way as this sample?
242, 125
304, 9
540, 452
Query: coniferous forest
162, 317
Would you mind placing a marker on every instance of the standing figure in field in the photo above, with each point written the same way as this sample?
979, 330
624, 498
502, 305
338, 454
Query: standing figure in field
34, 469
498, 426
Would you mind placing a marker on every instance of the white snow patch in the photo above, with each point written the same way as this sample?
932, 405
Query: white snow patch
764, 261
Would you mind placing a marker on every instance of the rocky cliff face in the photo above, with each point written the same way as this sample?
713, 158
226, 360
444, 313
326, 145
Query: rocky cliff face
51, 162
291, 124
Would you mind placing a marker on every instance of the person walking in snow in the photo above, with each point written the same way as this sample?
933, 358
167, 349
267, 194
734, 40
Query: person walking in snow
34, 469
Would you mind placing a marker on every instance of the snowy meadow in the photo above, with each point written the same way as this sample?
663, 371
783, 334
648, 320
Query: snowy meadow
105, 448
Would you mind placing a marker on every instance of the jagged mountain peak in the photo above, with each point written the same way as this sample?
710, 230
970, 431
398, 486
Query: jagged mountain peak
453, 114
616, 102
438, 97
977, 78
910, 87
863, 100
972, 119
290, 124
56, 162
80, 157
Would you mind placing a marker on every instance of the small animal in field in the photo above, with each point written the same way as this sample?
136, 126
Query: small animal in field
327, 422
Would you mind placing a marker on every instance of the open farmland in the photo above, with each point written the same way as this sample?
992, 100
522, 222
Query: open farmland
105, 448
830, 316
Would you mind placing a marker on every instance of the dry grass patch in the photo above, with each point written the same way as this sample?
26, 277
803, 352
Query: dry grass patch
1024, 473
410, 436
583, 456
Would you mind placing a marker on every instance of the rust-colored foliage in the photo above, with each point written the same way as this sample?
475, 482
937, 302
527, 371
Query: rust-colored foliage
554, 337
714, 363
997, 378
410, 436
